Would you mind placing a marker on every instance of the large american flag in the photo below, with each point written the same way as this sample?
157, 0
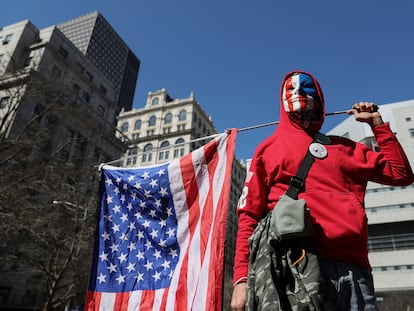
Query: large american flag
160, 235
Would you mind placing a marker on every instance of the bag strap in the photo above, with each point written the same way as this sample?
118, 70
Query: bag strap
297, 182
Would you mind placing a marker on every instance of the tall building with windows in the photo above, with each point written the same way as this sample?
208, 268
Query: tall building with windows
166, 129
27, 57
101, 44
390, 212
58, 106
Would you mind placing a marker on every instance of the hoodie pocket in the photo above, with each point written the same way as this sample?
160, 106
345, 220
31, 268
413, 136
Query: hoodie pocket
338, 216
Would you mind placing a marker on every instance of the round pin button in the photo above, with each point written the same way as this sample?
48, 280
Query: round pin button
318, 150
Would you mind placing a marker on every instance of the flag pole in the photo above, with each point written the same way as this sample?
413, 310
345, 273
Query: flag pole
277, 122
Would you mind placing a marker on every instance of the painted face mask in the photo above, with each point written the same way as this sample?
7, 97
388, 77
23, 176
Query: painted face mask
300, 98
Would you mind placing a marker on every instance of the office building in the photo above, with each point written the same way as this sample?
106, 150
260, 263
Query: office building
390, 212
100, 43
166, 129
26, 53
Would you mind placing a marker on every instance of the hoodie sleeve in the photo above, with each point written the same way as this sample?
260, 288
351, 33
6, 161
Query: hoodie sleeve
251, 207
393, 167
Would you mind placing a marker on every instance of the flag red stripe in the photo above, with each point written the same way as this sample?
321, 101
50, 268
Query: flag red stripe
121, 301
181, 292
164, 300
147, 300
211, 158
93, 300
215, 287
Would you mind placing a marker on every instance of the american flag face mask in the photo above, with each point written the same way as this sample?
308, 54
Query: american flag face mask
299, 93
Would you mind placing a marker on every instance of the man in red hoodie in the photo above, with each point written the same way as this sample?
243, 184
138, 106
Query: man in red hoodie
334, 190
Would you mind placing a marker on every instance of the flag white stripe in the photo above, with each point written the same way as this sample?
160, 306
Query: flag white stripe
107, 302
158, 299
181, 210
194, 259
218, 180
134, 300
203, 181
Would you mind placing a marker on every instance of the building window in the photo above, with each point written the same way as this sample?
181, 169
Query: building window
132, 156
164, 154
181, 127
76, 88
4, 102
179, 148
7, 38
135, 136
137, 125
27, 61
150, 132
374, 145
64, 155
80, 68
86, 96
182, 116
155, 101
168, 118
411, 132
152, 121
124, 127
101, 110
147, 154
90, 76
63, 52
56, 72
407, 119
391, 241
102, 89
166, 130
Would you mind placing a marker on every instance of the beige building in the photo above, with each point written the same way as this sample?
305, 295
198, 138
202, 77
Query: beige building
166, 129
390, 212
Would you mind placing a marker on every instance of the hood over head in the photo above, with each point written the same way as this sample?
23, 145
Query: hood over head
301, 102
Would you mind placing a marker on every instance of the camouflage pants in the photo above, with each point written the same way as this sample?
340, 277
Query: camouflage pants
282, 275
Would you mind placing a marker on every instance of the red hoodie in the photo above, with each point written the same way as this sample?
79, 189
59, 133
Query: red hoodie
334, 188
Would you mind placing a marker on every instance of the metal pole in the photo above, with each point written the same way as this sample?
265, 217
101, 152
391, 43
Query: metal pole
277, 122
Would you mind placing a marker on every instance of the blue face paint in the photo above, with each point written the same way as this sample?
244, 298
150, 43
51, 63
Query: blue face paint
300, 93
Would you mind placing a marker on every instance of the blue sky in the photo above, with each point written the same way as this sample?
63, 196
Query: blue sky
233, 53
